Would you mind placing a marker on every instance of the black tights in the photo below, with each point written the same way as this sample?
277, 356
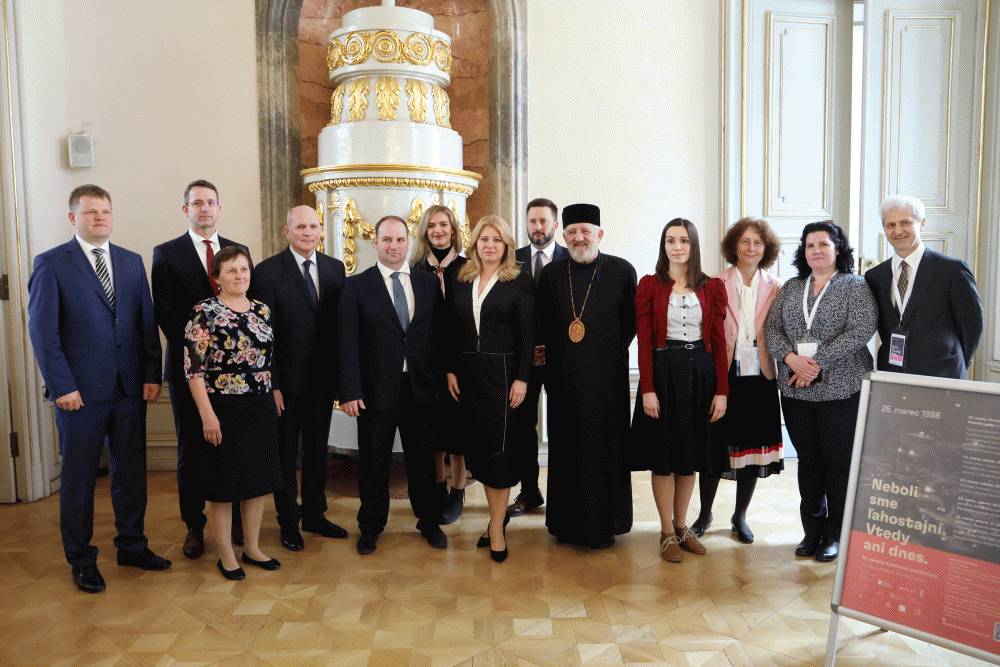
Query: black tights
746, 482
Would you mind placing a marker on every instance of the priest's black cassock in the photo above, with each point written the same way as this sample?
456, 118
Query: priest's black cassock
589, 488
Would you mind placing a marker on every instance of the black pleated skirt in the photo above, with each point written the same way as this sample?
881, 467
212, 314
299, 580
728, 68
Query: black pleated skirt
492, 453
677, 442
750, 433
247, 463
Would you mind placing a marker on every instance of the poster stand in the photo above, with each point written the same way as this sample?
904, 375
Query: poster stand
920, 543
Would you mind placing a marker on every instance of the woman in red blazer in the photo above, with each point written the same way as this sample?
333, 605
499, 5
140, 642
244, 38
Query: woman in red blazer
683, 379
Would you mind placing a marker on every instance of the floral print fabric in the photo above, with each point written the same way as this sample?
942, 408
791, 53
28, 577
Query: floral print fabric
229, 349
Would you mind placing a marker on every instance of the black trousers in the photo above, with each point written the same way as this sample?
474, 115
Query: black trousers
528, 424
190, 443
306, 418
823, 435
376, 431
121, 423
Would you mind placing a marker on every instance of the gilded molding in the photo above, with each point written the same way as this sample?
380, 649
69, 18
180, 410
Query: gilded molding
337, 104
464, 228
387, 97
416, 100
322, 227
442, 107
390, 182
353, 224
358, 102
387, 46
416, 212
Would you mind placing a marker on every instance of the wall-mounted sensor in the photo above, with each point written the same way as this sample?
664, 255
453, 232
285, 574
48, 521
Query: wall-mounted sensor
81, 150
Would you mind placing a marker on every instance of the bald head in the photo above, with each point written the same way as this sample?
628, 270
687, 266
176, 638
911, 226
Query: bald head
303, 230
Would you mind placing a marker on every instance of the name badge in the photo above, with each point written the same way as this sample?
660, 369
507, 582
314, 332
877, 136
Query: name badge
747, 360
807, 348
897, 349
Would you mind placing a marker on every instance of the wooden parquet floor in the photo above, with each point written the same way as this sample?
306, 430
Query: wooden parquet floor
409, 604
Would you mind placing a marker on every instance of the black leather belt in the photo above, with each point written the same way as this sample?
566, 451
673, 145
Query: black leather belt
683, 345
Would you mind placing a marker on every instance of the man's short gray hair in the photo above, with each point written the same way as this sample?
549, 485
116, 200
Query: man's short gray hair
902, 201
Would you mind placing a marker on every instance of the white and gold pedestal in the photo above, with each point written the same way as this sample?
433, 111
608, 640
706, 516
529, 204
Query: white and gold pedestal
389, 147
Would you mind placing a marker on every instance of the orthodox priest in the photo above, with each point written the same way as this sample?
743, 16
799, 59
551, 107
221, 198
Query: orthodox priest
586, 306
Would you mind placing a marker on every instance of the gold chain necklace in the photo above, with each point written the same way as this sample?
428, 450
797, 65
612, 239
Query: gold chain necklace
577, 330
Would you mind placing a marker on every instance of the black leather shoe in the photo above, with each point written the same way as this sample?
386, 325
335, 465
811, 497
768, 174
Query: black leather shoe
453, 508
237, 535
827, 551
292, 540
435, 537
194, 543
270, 564
741, 530
321, 526
367, 543
807, 547
232, 575
701, 524
88, 578
525, 503
145, 559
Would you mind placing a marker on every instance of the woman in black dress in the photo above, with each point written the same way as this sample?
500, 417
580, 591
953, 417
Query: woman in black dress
439, 242
227, 362
492, 304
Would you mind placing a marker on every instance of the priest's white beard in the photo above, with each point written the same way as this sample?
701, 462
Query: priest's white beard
583, 252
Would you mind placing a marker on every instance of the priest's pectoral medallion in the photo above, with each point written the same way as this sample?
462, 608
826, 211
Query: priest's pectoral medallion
577, 330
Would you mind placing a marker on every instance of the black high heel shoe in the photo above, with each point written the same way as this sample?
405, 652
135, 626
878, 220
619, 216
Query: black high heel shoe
701, 524
500, 556
484, 539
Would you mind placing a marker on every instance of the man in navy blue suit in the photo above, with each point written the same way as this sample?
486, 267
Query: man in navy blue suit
541, 223
92, 328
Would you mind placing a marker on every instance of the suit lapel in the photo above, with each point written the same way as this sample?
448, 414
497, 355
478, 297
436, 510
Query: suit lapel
377, 285
83, 265
925, 275
763, 293
190, 257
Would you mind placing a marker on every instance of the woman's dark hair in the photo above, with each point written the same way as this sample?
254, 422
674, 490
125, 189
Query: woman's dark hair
228, 254
845, 253
695, 277
772, 245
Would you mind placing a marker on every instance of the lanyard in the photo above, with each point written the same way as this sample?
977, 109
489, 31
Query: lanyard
810, 315
747, 319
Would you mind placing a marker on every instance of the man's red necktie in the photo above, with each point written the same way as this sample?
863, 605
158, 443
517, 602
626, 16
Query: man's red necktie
209, 256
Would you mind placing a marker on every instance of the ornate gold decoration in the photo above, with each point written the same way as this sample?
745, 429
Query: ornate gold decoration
322, 227
423, 169
387, 97
358, 102
390, 182
442, 107
353, 223
388, 46
465, 228
416, 212
337, 104
416, 93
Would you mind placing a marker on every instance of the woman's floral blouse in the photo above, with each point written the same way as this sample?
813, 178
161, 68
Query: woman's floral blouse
231, 350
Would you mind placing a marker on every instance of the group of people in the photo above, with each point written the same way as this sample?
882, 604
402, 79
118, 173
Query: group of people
451, 346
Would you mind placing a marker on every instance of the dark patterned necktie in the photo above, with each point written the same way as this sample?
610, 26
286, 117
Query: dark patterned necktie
102, 274
310, 285
904, 281
399, 301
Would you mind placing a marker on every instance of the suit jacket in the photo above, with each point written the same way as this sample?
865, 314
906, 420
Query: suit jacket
179, 282
767, 289
943, 319
304, 359
652, 298
524, 254
80, 342
372, 345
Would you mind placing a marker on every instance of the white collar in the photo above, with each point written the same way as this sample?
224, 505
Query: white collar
548, 250
300, 260
387, 272
88, 246
913, 259
200, 240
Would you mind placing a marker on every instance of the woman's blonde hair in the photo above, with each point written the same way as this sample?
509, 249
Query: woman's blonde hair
422, 248
508, 264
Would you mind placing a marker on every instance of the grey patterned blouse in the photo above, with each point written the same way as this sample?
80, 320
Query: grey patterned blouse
845, 321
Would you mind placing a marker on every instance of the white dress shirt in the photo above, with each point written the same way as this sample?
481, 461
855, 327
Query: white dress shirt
546, 252
477, 298
404, 279
106, 247
913, 260
313, 271
199, 246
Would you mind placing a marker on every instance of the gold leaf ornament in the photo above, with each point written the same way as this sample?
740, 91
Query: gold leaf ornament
386, 46
357, 93
442, 107
417, 49
416, 212
337, 104
387, 97
357, 48
416, 100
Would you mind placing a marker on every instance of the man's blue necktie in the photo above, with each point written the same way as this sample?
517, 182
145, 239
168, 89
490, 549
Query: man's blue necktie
399, 301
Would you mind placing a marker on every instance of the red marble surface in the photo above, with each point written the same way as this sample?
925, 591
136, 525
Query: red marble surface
468, 23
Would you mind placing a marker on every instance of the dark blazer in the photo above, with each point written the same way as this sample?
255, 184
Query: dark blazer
81, 343
943, 320
304, 359
372, 345
179, 282
524, 254
506, 322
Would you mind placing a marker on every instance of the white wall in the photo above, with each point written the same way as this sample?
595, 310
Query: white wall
169, 91
623, 112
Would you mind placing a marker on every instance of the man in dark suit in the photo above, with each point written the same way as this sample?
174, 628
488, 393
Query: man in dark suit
388, 380
930, 316
181, 278
92, 327
542, 222
303, 288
